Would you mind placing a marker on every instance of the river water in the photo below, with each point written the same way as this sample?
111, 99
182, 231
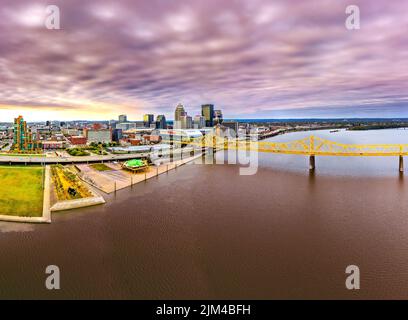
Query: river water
205, 231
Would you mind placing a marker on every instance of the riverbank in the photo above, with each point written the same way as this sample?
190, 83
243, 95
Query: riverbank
114, 178
93, 200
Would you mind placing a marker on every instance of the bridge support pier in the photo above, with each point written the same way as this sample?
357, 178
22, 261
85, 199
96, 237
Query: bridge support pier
401, 163
312, 162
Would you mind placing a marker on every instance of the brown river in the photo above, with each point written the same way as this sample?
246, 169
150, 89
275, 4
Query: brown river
207, 232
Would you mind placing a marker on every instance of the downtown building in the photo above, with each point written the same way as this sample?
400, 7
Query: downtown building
209, 118
178, 113
148, 119
117, 135
186, 122
77, 140
122, 118
161, 122
124, 126
23, 137
98, 135
217, 117
207, 111
199, 122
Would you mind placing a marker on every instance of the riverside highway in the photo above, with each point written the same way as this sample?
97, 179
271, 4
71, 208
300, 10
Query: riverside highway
68, 159
41, 159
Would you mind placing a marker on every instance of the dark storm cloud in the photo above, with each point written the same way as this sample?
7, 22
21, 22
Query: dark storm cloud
248, 57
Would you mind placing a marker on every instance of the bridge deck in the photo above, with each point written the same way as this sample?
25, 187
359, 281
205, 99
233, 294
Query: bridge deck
308, 146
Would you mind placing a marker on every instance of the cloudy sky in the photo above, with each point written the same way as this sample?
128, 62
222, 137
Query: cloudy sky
252, 59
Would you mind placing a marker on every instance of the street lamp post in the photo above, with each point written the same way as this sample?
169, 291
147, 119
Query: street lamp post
43, 172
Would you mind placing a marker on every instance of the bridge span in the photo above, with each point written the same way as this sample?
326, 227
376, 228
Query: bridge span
311, 146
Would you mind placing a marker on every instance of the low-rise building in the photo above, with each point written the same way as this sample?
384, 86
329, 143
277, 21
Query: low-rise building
102, 135
152, 138
78, 140
130, 125
178, 134
53, 145
135, 142
70, 132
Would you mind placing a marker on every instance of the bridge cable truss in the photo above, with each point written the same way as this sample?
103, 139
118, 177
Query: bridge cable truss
308, 146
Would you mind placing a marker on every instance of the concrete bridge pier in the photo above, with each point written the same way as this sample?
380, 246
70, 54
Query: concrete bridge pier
312, 162
401, 163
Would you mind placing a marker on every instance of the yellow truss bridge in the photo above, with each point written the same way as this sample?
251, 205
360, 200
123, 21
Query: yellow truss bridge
310, 146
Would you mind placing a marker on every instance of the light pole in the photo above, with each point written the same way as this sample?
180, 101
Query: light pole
43, 172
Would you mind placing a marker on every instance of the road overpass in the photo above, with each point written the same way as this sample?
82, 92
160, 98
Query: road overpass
41, 159
68, 160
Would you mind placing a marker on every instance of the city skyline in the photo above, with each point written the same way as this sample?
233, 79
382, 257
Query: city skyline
286, 59
196, 157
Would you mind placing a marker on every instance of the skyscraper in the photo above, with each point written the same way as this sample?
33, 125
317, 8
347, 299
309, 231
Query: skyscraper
217, 117
178, 114
161, 122
148, 119
23, 138
199, 122
186, 122
207, 111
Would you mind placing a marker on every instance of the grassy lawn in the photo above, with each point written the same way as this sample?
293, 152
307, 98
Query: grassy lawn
78, 152
100, 167
21, 193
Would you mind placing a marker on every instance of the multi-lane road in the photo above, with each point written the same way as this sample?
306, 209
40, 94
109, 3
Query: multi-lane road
66, 159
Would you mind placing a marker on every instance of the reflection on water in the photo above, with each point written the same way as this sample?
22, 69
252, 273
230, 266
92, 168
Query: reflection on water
312, 179
401, 179
15, 227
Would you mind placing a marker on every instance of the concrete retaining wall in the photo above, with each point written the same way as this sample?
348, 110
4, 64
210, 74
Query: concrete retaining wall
77, 203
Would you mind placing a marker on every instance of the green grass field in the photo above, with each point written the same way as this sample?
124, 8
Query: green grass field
21, 192
100, 167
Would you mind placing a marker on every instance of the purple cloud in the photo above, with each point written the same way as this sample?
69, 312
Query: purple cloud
251, 59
